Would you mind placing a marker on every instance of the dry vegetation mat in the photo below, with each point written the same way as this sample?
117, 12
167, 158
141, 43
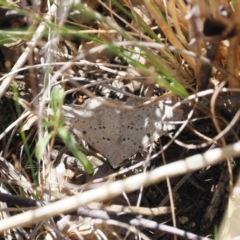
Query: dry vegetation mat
119, 119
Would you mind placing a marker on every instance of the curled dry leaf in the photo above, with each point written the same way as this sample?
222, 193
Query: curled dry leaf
29, 122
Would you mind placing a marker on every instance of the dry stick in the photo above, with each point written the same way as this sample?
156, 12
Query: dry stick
217, 125
175, 189
110, 190
170, 194
214, 140
138, 222
28, 50
140, 44
222, 179
112, 214
102, 66
27, 202
128, 218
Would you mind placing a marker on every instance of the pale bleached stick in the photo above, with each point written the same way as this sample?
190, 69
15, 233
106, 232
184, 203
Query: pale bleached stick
113, 189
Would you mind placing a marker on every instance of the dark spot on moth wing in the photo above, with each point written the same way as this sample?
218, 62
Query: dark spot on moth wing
158, 126
129, 147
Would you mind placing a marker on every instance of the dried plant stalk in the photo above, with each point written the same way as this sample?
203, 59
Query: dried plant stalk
167, 30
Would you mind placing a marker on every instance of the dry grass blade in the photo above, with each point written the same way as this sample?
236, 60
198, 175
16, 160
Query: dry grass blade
167, 30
